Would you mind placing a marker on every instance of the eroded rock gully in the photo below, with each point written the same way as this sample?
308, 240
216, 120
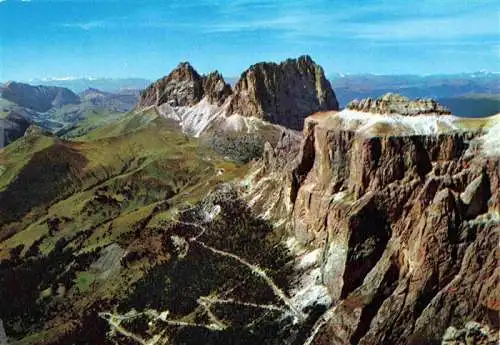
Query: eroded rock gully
408, 227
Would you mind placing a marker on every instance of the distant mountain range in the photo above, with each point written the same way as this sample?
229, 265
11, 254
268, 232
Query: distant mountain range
103, 84
58, 109
466, 94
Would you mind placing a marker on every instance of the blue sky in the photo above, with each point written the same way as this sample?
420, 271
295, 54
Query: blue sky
107, 38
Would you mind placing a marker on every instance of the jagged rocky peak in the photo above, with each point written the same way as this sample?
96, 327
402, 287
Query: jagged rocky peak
185, 87
215, 88
392, 103
182, 87
284, 93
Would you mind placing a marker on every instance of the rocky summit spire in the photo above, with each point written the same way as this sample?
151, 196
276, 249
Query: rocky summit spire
283, 93
182, 87
216, 88
392, 103
185, 87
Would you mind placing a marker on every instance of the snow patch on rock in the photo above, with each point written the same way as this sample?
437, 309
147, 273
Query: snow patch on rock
338, 196
308, 260
427, 124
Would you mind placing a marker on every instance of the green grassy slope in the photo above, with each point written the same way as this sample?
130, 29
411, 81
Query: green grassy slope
87, 121
5, 107
62, 202
131, 163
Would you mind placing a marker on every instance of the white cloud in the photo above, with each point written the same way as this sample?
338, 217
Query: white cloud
59, 78
286, 22
86, 25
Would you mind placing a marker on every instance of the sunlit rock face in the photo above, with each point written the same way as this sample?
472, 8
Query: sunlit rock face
283, 93
390, 204
406, 212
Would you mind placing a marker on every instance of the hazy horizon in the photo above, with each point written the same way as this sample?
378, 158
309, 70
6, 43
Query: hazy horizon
329, 75
110, 39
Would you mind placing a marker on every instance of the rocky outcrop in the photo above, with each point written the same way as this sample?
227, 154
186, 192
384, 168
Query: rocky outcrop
34, 130
407, 225
283, 93
197, 103
472, 333
185, 87
38, 98
396, 104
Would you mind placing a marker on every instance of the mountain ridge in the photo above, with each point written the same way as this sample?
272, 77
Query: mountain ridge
183, 222
263, 92
39, 98
58, 109
106, 84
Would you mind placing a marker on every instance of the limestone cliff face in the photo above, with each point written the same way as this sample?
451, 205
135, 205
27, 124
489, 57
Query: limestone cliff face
407, 224
283, 93
185, 87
